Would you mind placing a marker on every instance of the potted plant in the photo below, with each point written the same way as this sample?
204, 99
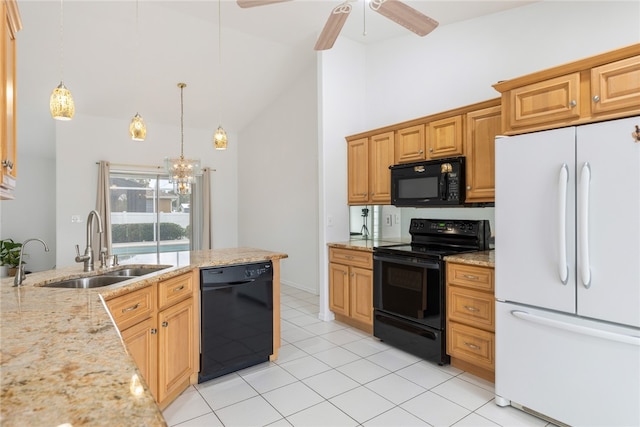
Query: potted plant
10, 255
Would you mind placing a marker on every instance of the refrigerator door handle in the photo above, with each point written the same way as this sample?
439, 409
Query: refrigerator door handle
583, 225
563, 267
583, 330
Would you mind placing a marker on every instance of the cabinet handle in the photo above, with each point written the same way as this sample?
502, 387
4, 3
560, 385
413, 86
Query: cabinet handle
468, 187
431, 150
572, 103
472, 346
421, 152
133, 307
7, 164
596, 98
179, 288
470, 308
154, 331
470, 277
165, 324
348, 256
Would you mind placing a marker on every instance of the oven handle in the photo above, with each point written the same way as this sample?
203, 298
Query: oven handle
407, 260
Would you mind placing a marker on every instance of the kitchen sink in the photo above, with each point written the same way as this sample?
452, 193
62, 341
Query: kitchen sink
136, 271
88, 282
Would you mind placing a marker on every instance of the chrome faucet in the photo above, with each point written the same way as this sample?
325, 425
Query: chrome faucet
17, 281
88, 256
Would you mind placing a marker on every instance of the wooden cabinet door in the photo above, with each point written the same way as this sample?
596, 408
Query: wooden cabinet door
410, 144
358, 171
361, 295
616, 86
444, 138
339, 288
142, 343
553, 101
175, 349
482, 126
8, 148
381, 156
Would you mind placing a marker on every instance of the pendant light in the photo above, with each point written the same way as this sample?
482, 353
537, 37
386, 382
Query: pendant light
61, 102
137, 128
220, 136
182, 171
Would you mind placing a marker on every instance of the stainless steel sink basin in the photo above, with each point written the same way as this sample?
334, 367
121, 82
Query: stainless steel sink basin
88, 282
136, 271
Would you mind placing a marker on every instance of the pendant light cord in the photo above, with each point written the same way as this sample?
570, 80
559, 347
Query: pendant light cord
61, 41
137, 54
219, 63
182, 85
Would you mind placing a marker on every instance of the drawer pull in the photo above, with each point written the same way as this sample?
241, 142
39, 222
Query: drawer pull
470, 277
179, 288
133, 307
471, 308
472, 346
165, 324
348, 256
154, 331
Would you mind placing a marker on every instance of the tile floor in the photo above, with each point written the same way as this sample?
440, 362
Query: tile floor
330, 374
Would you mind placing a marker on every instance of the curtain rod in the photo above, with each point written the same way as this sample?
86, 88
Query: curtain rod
124, 165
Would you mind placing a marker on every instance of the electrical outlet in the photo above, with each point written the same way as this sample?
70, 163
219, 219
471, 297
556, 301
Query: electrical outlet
388, 220
397, 219
75, 218
329, 220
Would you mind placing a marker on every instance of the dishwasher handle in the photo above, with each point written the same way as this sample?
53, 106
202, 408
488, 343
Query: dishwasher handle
211, 286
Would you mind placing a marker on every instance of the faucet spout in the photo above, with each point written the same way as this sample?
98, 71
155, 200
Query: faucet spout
17, 281
88, 256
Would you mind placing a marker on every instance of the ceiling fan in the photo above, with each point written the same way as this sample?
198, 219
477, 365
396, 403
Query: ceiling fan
397, 11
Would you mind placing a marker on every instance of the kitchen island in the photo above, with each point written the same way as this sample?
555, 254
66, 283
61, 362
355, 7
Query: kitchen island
62, 358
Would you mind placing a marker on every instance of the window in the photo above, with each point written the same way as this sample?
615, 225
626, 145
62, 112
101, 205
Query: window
147, 216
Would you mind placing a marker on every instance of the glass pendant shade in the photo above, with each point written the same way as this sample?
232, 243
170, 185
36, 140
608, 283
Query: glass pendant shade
61, 103
182, 173
137, 128
220, 139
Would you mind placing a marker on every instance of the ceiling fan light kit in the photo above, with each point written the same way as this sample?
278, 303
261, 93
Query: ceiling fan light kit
403, 14
333, 26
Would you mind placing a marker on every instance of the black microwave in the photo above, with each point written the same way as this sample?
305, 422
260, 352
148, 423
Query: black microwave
429, 183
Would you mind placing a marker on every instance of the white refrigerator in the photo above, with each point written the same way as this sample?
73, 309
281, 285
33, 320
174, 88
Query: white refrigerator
567, 223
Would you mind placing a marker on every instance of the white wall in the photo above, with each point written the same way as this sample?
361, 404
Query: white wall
86, 140
278, 182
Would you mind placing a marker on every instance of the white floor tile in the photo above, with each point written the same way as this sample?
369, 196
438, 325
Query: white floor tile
322, 415
424, 375
324, 327
366, 347
268, 379
187, 406
478, 381
341, 337
249, 413
361, 404
289, 352
225, 391
509, 416
331, 383
295, 334
363, 371
304, 320
393, 359
474, 420
208, 420
435, 410
463, 393
292, 398
395, 388
305, 367
394, 418
336, 356
280, 423
314, 344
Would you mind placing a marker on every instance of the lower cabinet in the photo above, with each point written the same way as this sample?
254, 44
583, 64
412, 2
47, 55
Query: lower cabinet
351, 287
159, 326
471, 319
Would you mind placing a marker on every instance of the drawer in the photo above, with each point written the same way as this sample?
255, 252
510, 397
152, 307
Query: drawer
355, 258
176, 289
472, 345
470, 276
131, 308
472, 307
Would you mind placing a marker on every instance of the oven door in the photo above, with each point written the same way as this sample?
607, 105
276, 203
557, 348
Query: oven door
409, 287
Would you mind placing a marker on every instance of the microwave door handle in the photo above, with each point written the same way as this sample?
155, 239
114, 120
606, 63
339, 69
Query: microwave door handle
444, 184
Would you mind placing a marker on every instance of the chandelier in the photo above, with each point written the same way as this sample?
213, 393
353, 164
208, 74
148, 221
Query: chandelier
182, 171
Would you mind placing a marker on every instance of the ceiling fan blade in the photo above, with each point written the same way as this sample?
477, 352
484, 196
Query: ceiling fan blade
253, 3
405, 15
332, 28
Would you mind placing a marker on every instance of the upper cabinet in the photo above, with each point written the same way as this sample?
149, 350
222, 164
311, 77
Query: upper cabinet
481, 127
410, 144
11, 24
369, 177
598, 88
444, 137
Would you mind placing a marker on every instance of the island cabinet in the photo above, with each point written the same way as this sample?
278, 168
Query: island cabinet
471, 319
351, 287
369, 178
601, 87
10, 25
159, 327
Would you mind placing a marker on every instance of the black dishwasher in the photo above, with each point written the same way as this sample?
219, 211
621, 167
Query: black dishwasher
236, 318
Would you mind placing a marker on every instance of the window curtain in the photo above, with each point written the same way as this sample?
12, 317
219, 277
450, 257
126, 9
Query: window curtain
201, 212
103, 206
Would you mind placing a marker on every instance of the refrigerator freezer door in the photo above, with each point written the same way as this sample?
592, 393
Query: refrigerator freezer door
577, 371
608, 214
535, 219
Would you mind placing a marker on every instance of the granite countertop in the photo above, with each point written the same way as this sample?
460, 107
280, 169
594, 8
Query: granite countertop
368, 244
62, 359
482, 258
